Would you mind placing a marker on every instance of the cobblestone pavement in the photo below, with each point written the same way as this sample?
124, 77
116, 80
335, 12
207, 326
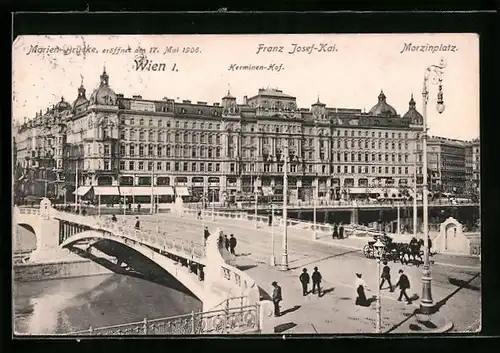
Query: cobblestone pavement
457, 289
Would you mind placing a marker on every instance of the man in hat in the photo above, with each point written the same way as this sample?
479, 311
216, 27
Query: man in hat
316, 278
304, 280
206, 234
386, 276
403, 284
137, 223
276, 298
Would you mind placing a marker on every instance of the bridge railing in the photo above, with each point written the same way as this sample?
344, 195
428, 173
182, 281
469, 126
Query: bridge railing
26, 210
161, 241
236, 320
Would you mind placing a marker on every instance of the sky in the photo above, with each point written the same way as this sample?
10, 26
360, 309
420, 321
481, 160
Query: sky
348, 71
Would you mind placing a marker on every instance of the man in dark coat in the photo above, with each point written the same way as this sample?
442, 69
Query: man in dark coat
137, 223
335, 231
341, 231
232, 244
226, 242
386, 276
206, 234
403, 284
316, 278
276, 298
304, 280
139, 208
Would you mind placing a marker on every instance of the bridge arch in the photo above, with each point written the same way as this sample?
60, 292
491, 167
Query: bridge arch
181, 274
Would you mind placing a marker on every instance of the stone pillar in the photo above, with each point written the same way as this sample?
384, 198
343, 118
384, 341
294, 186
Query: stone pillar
266, 317
354, 215
326, 217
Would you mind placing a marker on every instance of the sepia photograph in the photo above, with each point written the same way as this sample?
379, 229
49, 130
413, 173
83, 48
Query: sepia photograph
211, 185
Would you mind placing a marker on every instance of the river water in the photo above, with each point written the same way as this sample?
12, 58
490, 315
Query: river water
67, 305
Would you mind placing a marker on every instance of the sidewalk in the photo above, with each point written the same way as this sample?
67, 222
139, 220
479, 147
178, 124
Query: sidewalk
334, 311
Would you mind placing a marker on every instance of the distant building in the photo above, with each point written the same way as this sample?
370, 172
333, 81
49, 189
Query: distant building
447, 164
124, 145
473, 165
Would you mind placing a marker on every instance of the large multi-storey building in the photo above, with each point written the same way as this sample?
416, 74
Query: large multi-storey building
137, 147
473, 166
447, 164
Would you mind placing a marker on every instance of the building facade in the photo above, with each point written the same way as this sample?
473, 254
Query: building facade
447, 164
135, 147
473, 166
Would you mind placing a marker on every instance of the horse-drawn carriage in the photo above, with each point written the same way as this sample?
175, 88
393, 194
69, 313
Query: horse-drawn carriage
397, 248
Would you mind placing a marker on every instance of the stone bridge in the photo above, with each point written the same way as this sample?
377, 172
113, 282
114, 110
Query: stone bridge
207, 271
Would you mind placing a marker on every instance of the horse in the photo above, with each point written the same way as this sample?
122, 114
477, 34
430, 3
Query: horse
411, 251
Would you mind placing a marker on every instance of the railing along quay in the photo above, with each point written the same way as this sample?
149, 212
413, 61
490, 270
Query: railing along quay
243, 319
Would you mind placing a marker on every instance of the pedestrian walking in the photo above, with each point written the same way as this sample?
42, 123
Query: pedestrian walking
335, 231
113, 218
232, 244
386, 276
198, 216
403, 284
206, 234
137, 223
304, 280
341, 231
139, 208
360, 286
226, 242
84, 212
316, 278
277, 298
130, 207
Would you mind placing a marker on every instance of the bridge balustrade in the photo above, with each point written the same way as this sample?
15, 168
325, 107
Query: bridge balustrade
234, 320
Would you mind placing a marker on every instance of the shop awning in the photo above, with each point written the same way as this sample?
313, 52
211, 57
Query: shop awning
135, 190
163, 190
359, 190
182, 191
82, 190
106, 191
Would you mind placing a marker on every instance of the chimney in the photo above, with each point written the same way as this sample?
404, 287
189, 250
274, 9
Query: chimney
137, 97
120, 95
216, 104
165, 98
245, 100
201, 103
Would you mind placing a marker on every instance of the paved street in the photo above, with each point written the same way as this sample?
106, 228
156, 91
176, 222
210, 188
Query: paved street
456, 287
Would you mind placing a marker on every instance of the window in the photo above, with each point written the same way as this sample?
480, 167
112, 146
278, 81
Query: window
386, 145
217, 154
160, 150
151, 136
150, 150
176, 124
132, 134
232, 167
160, 137
131, 150
150, 122
399, 158
339, 169
346, 169
193, 167
393, 170
122, 150
122, 134
106, 165
266, 168
386, 170
185, 166
373, 144
373, 169
141, 165
122, 165
399, 170
176, 166
132, 121
380, 170
393, 158
406, 170
141, 136
366, 143
386, 157
141, 150
210, 154
185, 125
393, 145
217, 167
141, 122
392, 135
217, 140
386, 135
160, 123
150, 166
202, 167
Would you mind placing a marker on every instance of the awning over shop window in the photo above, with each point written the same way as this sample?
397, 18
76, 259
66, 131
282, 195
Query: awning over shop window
82, 190
359, 190
106, 190
135, 190
163, 190
182, 191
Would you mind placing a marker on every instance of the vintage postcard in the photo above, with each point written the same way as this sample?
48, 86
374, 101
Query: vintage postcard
246, 184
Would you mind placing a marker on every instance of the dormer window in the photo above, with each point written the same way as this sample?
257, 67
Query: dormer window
200, 111
183, 111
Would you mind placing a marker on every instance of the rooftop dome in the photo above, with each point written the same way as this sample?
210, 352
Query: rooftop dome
382, 108
103, 95
62, 105
412, 113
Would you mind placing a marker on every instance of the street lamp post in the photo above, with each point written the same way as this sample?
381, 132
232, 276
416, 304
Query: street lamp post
379, 249
433, 72
284, 261
415, 209
213, 206
256, 206
399, 218
314, 216
272, 262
